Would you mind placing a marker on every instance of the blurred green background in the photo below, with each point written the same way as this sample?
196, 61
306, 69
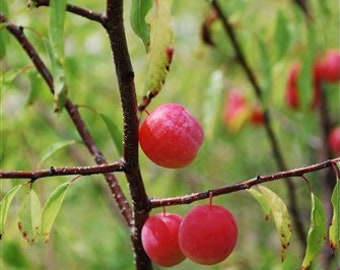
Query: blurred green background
88, 232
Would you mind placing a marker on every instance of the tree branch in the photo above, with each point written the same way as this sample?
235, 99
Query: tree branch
89, 14
121, 58
267, 119
73, 112
56, 171
187, 199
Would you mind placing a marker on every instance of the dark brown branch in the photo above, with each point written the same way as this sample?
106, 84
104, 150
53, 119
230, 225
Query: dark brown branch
121, 58
267, 119
303, 5
72, 110
55, 171
89, 14
299, 172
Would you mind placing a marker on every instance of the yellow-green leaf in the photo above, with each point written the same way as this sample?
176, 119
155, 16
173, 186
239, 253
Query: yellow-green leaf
36, 83
4, 37
281, 34
116, 134
160, 50
281, 217
57, 18
317, 232
51, 209
29, 215
211, 103
54, 148
4, 206
262, 200
138, 12
35, 209
334, 231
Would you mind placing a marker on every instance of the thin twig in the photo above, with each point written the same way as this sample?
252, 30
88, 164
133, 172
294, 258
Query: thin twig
73, 112
86, 13
187, 199
267, 119
56, 171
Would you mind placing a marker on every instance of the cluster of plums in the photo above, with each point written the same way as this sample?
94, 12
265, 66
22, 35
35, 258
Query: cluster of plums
206, 235
171, 137
325, 69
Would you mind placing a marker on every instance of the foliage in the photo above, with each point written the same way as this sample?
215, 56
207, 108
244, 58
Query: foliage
88, 232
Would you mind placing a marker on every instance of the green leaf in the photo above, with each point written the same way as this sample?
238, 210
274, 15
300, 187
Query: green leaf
138, 12
35, 87
317, 232
324, 7
211, 103
266, 70
334, 231
116, 134
160, 50
9, 76
57, 18
281, 217
281, 35
4, 37
51, 209
4, 206
35, 209
29, 215
305, 80
54, 148
262, 200
4, 7
14, 255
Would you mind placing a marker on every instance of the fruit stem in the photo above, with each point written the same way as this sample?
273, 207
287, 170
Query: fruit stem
210, 199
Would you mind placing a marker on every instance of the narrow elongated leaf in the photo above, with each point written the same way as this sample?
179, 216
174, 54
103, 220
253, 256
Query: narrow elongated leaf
116, 134
138, 12
281, 35
4, 206
334, 230
51, 209
266, 70
305, 79
317, 232
54, 148
211, 103
57, 18
35, 86
281, 217
9, 76
35, 209
263, 202
24, 217
3, 32
160, 50
29, 215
